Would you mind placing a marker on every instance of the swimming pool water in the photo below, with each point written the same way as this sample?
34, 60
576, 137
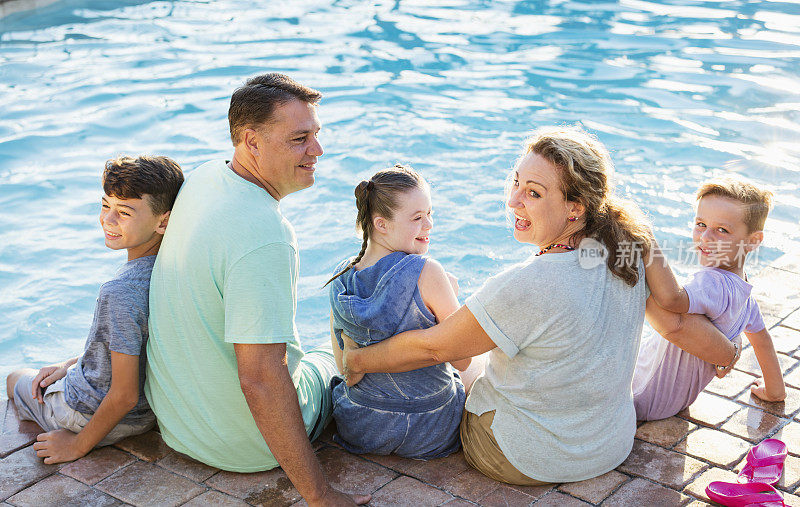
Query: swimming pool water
678, 90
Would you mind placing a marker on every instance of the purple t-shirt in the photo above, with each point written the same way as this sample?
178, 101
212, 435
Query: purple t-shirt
668, 379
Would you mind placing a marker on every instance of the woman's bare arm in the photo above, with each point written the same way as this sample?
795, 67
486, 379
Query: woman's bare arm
458, 337
693, 333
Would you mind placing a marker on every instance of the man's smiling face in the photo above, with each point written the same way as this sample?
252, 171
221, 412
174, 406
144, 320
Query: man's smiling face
288, 147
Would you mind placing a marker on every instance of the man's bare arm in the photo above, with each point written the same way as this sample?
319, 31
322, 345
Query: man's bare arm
272, 398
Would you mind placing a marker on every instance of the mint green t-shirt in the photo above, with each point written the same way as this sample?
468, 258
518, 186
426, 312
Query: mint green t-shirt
226, 273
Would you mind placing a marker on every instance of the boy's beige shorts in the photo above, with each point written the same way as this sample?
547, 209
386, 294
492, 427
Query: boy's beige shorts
54, 413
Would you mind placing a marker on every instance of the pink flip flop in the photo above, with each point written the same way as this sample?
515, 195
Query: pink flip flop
764, 462
740, 495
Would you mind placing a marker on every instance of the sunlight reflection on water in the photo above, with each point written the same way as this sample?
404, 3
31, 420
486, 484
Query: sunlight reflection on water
677, 90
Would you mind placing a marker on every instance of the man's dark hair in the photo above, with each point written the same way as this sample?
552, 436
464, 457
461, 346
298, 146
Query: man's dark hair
252, 105
130, 178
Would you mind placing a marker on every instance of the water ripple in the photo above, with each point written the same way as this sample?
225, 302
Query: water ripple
678, 90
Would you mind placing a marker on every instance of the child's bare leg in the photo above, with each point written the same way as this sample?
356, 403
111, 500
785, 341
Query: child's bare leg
474, 371
14, 377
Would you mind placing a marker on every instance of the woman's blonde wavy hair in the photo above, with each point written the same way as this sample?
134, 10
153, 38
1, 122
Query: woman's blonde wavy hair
585, 172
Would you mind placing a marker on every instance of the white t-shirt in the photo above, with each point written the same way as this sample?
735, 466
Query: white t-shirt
560, 377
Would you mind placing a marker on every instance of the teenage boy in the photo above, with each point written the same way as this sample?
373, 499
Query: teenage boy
97, 399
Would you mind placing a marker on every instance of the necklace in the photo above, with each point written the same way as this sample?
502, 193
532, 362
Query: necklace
555, 245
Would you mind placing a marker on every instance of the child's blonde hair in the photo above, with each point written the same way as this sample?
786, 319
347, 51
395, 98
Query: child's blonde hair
757, 201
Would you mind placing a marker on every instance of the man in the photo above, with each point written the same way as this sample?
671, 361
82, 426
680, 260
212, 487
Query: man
226, 377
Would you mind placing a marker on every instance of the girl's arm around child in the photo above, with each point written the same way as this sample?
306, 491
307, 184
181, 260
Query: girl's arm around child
673, 301
667, 309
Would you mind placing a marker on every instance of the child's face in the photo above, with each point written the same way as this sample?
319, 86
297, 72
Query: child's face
720, 235
408, 231
131, 224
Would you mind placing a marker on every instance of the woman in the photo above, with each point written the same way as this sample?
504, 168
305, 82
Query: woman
554, 403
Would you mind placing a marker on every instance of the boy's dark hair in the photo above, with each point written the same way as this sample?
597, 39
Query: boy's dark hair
252, 105
380, 196
130, 178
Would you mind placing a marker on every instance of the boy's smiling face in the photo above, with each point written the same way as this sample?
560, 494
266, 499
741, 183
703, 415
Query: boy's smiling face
131, 224
720, 235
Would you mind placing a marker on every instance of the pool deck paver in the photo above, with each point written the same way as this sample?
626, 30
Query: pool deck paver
671, 463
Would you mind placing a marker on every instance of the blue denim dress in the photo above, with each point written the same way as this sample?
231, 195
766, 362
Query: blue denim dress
415, 414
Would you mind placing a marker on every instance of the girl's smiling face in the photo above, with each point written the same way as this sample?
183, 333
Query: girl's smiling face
540, 210
408, 230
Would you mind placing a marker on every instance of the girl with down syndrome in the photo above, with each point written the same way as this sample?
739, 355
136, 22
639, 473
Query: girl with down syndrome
388, 288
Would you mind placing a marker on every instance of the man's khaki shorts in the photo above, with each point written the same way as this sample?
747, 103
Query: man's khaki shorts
483, 453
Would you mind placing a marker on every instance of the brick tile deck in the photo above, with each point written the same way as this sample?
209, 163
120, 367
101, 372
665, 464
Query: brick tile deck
671, 463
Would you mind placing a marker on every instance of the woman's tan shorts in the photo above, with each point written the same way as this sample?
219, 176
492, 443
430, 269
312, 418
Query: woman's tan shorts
483, 453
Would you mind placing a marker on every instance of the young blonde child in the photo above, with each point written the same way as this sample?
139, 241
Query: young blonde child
388, 288
728, 226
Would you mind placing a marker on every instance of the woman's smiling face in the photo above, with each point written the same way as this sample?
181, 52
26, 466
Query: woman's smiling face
540, 210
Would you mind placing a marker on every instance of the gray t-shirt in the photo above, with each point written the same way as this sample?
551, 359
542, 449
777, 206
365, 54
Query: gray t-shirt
560, 377
119, 325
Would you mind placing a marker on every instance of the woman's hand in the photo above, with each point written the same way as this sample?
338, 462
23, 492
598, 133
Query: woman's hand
722, 373
46, 377
459, 336
351, 378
